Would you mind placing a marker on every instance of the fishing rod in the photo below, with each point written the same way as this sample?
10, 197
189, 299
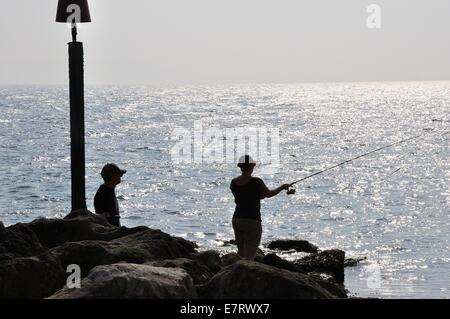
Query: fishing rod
292, 191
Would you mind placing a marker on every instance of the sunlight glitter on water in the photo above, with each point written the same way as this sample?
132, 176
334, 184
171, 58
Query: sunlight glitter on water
392, 207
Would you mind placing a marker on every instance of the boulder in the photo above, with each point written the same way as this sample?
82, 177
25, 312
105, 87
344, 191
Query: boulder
259, 253
329, 262
199, 273
276, 261
353, 262
78, 226
253, 280
230, 258
229, 242
335, 289
297, 245
149, 245
31, 277
132, 281
210, 258
86, 214
19, 241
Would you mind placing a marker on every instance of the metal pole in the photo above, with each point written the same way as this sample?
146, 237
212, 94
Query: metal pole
77, 144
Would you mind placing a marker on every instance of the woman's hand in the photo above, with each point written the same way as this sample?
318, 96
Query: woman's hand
266, 193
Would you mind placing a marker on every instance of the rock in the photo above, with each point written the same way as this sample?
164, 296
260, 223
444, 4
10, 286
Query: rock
132, 281
352, 262
199, 273
259, 255
149, 245
78, 226
276, 261
19, 241
229, 242
329, 262
334, 288
253, 280
161, 245
210, 258
297, 245
31, 277
230, 258
2, 227
93, 218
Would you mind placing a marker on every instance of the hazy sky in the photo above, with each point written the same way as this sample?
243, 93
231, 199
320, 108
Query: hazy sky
161, 42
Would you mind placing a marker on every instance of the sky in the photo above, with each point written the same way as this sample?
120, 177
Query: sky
176, 42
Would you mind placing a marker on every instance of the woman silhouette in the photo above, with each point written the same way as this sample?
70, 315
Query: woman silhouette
248, 192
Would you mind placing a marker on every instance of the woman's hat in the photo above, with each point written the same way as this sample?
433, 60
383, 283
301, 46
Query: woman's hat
246, 160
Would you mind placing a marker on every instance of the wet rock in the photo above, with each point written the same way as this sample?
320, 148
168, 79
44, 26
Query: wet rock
199, 273
229, 243
329, 262
132, 281
19, 241
254, 280
353, 262
297, 245
210, 258
334, 288
31, 277
78, 226
149, 245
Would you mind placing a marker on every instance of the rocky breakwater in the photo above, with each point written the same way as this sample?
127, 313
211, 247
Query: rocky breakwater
37, 260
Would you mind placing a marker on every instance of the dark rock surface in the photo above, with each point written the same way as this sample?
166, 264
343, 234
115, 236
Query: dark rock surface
353, 262
149, 245
230, 258
210, 258
297, 245
31, 277
199, 273
132, 281
276, 261
19, 241
253, 280
329, 262
78, 226
139, 262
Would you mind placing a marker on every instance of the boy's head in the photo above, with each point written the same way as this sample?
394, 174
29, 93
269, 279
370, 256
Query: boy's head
111, 173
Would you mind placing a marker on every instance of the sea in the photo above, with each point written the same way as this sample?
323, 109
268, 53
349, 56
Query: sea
391, 207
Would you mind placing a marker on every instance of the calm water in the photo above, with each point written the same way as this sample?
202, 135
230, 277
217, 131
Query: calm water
399, 221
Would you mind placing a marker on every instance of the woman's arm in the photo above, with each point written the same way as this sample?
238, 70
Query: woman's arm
267, 193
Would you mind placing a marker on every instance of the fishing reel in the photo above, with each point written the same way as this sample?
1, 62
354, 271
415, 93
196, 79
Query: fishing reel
290, 191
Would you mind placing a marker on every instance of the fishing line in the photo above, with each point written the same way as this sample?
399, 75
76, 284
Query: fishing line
363, 155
